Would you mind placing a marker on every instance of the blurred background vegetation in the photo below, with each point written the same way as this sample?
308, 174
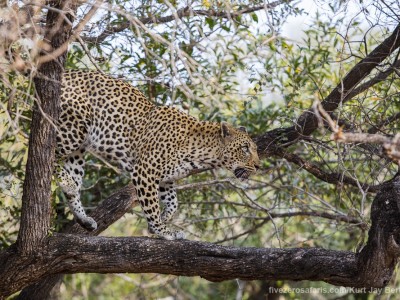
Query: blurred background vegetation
257, 69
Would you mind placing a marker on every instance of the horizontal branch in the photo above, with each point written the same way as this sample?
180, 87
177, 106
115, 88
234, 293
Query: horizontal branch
189, 258
180, 13
81, 254
67, 253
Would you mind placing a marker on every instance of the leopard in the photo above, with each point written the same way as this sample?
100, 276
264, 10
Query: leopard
156, 145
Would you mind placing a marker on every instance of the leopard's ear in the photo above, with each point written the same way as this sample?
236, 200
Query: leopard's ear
242, 128
225, 130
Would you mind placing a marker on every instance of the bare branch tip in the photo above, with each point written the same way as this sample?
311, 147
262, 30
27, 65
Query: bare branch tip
338, 135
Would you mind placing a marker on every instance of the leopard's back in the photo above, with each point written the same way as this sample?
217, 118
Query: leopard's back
99, 113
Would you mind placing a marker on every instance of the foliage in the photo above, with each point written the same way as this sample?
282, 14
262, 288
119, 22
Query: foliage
240, 69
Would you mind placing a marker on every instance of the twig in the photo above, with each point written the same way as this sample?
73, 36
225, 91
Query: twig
334, 178
180, 13
60, 50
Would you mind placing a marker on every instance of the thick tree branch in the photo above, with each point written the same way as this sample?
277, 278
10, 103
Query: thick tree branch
308, 121
180, 13
66, 253
81, 254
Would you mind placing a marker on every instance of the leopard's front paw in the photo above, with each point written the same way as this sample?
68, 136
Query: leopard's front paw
180, 235
167, 234
172, 235
88, 223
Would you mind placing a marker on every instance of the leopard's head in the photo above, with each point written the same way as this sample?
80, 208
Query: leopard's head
239, 153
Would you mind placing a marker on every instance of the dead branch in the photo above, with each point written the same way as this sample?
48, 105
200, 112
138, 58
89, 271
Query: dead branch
391, 146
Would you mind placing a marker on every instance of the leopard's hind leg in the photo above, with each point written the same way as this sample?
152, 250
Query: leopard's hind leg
167, 195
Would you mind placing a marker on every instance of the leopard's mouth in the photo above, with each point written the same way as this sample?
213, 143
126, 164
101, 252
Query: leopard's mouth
242, 173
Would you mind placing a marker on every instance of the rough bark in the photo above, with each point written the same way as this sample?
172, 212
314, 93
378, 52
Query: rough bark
36, 209
380, 254
71, 253
81, 254
66, 253
106, 213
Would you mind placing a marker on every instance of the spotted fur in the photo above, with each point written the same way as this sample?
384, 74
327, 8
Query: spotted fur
156, 145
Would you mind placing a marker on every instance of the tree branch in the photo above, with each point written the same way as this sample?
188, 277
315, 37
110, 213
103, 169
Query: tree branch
65, 253
180, 13
81, 254
334, 178
378, 78
391, 146
308, 122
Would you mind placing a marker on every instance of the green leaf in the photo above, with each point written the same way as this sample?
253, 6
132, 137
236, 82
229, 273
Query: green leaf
210, 22
227, 29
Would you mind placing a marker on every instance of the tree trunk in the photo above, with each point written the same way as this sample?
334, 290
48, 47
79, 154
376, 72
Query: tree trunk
36, 208
379, 257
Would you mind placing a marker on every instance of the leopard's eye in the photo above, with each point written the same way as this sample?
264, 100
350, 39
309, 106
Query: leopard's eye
246, 149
